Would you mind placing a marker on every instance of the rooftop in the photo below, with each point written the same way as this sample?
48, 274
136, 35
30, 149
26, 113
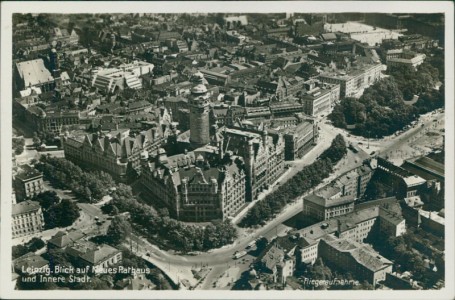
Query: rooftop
33, 72
25, 207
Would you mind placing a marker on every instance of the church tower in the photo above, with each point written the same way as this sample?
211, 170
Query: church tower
199, 116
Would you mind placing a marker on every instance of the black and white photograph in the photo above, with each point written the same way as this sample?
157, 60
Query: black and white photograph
212, 150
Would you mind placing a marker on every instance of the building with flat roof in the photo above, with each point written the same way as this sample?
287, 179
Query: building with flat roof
355, 80
400, 57
299, 140
28, 183
125, 76
327, 203
27, 219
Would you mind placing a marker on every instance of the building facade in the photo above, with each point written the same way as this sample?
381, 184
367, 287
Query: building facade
27, 219
354, 81
196, 186
114, 152
28, 183
299, 140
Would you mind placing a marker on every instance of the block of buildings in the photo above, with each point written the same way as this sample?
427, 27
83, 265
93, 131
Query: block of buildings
115, 152
125, 76
399, 57
28, 183
353, 81
319, 100
27, 219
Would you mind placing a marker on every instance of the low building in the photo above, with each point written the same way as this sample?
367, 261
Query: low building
63, 239
31, 263
97, 257
27, 219
28, 183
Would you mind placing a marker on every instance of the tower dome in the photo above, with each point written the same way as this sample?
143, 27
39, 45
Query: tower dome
199, 89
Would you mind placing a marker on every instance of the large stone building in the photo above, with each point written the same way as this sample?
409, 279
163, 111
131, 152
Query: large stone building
115, 152
197, 186
299, 140
327, 203
359, 259
28, 183
354, 81
263, 154
398, 57
27, 219
319, 100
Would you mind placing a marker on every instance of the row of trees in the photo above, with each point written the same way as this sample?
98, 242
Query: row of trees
174, 234
303, 181
382, 110
90, 186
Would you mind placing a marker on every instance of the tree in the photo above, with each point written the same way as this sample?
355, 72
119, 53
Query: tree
47, 199
19, 250
18, 145
118, 231
62, 214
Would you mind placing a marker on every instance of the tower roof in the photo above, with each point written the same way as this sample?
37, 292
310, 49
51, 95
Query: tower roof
199, 89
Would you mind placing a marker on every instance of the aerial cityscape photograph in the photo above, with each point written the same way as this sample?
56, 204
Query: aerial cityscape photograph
228, 151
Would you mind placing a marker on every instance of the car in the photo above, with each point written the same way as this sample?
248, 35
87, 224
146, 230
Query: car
147, 254
360, 143
99, 223
96, 218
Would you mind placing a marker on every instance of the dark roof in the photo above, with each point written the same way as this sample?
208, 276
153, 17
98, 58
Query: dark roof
25, 207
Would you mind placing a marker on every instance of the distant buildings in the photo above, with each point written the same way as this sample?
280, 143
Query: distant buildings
27, 219
28, 183
125, 76
353, 81
404, 58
